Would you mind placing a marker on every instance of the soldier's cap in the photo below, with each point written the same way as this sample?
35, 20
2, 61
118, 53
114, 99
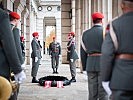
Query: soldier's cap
22, 38
71, 33
15, 15
97, 15
35, 34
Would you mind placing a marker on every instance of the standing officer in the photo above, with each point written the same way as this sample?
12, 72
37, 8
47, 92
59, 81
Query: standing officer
55, 51
117, 54
72, 55
36, 56
9, 60
91, 43
14, 20
22, 46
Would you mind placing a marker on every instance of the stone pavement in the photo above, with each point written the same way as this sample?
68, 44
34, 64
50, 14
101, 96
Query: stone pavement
32, 91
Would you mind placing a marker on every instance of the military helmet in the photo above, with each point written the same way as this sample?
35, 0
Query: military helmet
5, 89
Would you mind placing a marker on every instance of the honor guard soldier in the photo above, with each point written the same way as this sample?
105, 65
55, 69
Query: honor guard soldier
9, 60
72, 55
55, 51
14, 20
36, 56
117, 54
91, 44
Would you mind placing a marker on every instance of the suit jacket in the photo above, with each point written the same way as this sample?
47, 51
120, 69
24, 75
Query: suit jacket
92, 39
71, 50
8, 53
18, 43
35, 49
54, 49
119, 71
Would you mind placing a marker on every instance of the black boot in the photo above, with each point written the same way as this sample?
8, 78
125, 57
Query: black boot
34, 80
56, 71
73, 79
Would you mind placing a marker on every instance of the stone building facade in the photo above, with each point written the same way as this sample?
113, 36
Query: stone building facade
75, 16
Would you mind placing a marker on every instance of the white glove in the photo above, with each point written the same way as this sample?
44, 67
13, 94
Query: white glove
106, 87
23, 66
36, 59
71, 60
20, 77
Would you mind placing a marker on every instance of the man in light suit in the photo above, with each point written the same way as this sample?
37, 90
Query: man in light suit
91, 44
36, 56
117, 54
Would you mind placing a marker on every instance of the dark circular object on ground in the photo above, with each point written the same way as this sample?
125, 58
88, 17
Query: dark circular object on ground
54, 80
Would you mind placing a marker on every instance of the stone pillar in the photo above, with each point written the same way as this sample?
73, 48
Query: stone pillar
9, 4
89, 13
19, 6
73, 16
78, 31
58, 33
83, 13
86, 14
65, 26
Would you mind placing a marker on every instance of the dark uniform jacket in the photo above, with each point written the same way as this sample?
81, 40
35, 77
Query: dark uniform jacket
54, 49
17, 42
71, 50
8, 53
35, 49
92, 39
119, 71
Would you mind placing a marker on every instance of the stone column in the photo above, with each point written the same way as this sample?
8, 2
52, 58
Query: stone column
83, 13
58, 33
86, 14
78, 30
9, 4
89, 13
73, 16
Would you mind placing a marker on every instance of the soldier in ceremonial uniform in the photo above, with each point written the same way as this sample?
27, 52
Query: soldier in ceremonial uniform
91, 43
9, 60
22, 46
55, 51
72, 55
14, 20
36, 56
117, 54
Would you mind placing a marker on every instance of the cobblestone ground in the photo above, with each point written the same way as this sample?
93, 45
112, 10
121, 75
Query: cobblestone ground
32, 91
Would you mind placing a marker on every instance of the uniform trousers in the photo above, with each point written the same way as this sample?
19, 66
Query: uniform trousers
55, 61
35, 66
96, 91
72, 68
122, 95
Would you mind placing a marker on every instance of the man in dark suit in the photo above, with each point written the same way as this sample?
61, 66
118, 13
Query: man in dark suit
9, 60
72, 55
117, 54
36, 56
91, 43
55, 51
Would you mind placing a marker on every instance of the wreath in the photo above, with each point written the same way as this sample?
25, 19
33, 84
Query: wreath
54, 80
